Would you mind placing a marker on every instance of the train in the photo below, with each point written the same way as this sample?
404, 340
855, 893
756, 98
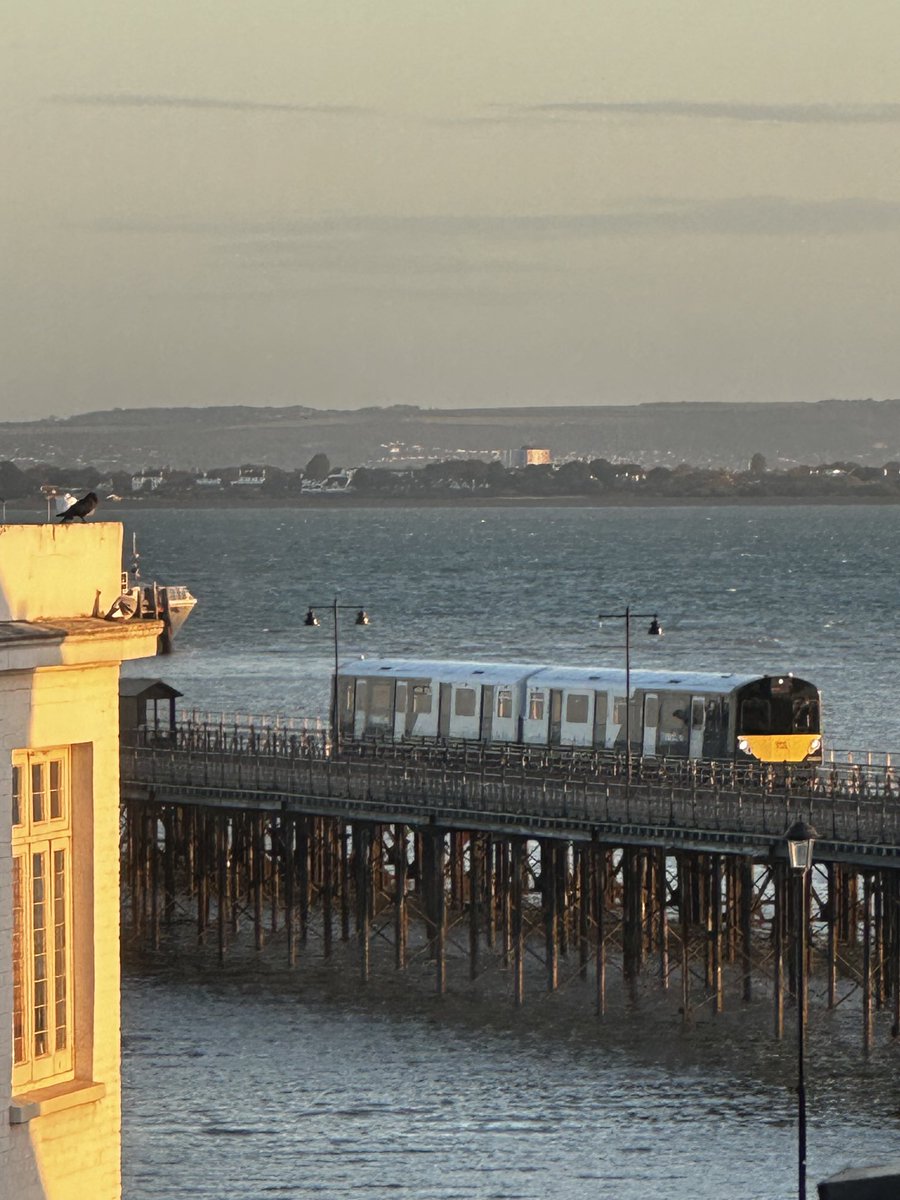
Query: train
680, 714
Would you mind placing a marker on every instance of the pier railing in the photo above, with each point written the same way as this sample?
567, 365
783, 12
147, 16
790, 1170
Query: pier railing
854, 809
844, 774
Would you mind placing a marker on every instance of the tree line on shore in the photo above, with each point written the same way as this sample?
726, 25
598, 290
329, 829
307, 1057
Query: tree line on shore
460, 477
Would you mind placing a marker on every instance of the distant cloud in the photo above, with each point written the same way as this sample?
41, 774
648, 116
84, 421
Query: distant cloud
771, 216
132, 100
786, 114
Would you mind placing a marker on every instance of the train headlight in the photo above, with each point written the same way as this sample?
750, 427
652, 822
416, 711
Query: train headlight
814, 745
744, 745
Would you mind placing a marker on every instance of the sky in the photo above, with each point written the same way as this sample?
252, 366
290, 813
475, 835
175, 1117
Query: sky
343, 203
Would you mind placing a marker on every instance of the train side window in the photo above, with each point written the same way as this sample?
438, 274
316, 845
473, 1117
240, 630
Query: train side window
756, 715
536, 706
504, 702
577, 710
651, 712
422, 698
698, 711
380, 698
619, 710
464, 702
400, 698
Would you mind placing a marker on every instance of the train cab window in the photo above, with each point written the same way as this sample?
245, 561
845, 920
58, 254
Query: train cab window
422, 698
577, 710
756, 715
464, 702
806, 715
536, 706
504, 702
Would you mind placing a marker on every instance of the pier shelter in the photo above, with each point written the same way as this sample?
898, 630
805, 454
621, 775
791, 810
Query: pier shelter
147, 709
60, 1113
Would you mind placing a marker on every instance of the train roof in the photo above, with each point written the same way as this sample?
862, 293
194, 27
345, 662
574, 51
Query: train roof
590, 678
444, 669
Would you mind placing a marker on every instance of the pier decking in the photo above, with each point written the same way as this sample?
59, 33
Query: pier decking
678, 867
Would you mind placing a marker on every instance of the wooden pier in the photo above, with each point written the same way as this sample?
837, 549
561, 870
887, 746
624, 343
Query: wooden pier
669, 871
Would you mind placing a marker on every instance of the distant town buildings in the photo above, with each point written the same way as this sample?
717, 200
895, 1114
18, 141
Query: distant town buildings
529, 456
148, 482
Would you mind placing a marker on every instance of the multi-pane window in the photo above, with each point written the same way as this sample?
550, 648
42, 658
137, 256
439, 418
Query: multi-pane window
536, 706
504, 702
42, 922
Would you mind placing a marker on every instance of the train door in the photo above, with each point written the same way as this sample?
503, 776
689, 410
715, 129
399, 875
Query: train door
359, 712
423, 713
698, 726
615, 723
555, 717
465, 719
600, 719
400, 706
487, 711
347, 695
444, 710
651, 721
577, 729
537, 715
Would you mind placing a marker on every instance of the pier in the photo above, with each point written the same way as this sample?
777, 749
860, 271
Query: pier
669, 870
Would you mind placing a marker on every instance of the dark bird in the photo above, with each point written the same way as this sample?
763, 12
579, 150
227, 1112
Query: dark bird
81, 508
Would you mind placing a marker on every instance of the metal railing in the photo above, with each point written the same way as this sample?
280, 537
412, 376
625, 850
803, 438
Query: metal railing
272, 767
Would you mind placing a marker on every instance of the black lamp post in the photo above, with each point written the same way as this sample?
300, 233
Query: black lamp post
362, 618
653, 630
800, 838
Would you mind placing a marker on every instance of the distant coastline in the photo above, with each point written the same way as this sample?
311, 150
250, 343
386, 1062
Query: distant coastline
108, 509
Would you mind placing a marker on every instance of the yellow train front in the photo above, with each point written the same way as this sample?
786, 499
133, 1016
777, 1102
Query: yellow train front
778, 719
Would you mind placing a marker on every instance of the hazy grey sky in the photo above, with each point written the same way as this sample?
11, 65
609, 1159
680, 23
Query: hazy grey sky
348, 202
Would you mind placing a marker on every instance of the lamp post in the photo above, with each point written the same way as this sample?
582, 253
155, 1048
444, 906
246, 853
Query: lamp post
800, 838
653, 630
362, 618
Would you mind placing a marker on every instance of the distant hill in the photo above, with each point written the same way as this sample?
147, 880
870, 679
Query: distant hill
864, 431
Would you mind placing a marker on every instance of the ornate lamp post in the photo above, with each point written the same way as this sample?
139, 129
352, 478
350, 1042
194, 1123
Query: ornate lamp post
362, 618
800, 838
653, 630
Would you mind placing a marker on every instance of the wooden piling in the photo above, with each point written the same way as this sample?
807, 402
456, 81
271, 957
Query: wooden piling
517, 920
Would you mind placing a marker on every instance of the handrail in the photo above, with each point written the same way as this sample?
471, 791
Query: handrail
516, 794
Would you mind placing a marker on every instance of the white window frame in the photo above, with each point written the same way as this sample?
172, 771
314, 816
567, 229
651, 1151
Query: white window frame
44, 835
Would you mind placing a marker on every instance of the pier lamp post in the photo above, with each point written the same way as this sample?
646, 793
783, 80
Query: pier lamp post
654, 629
311, 619
800, 838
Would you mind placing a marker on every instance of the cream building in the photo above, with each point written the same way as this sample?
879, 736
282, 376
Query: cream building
60, 1113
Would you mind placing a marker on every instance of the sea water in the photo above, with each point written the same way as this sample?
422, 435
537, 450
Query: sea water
243, 1086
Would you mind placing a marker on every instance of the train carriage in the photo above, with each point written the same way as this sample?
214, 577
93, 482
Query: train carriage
682, 714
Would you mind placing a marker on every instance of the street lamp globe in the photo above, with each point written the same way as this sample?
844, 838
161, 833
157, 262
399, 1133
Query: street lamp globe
800, 838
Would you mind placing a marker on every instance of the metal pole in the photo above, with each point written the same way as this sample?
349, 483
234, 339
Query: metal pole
628, 692
335, 722
801, 1081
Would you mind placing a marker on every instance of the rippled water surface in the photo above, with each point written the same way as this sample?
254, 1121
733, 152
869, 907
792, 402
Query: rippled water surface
233, 1089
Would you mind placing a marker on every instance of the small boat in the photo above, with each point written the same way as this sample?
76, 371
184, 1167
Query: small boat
167, 602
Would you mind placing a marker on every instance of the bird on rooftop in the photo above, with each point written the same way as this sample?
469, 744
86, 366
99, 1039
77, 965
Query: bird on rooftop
81, 508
